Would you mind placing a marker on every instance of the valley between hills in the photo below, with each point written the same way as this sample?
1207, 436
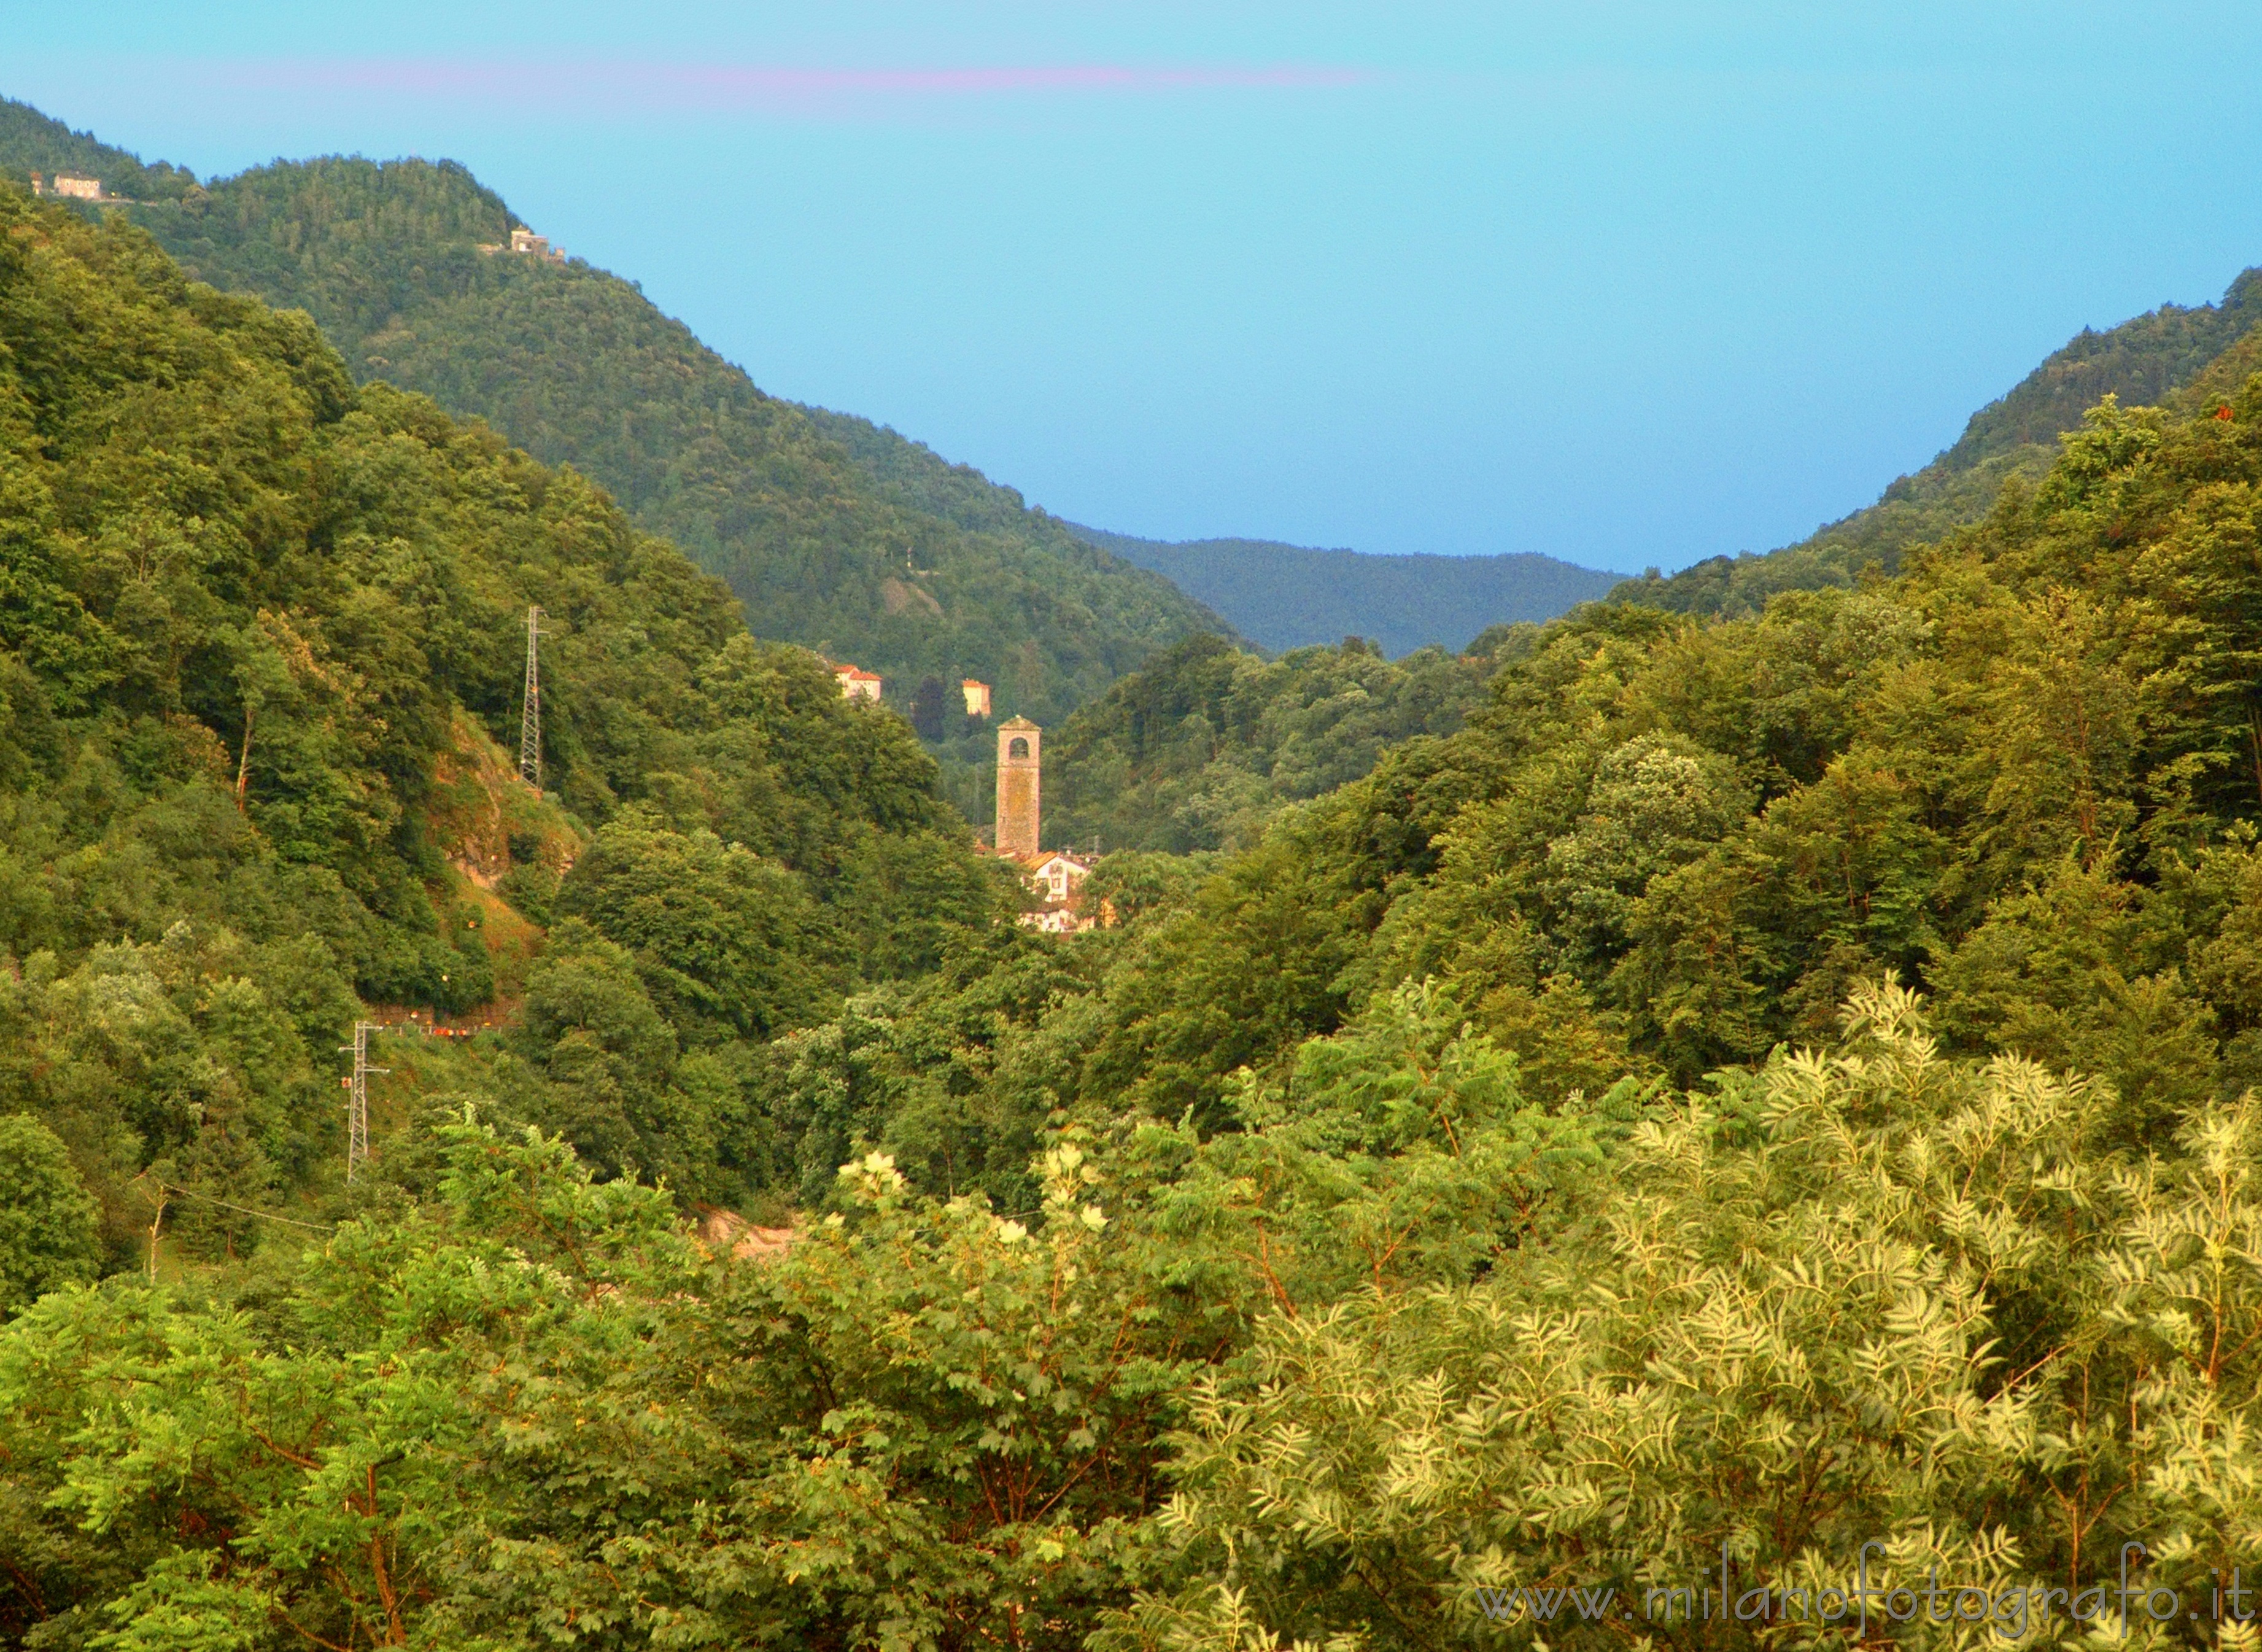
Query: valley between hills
1759, 1061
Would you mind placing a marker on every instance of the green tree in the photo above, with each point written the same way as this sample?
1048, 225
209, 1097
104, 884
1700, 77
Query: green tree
726, 944
1869, 1295
47, 1229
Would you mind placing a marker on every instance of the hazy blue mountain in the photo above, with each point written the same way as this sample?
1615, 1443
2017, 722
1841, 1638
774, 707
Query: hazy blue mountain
1289, 596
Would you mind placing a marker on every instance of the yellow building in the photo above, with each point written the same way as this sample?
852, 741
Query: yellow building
978, 697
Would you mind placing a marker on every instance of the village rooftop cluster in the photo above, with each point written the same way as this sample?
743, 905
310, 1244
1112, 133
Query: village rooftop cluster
1057, 876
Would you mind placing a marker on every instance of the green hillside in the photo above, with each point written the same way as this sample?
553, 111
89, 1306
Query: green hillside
1286, 596
1519, 1163
2014, 438
1202, 745
1775, 1092
260, 654
32, 143
833, 533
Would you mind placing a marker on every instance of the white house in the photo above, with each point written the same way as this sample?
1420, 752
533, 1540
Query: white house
1058, 878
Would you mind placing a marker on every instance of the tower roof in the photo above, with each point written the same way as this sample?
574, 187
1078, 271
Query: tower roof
1018, 722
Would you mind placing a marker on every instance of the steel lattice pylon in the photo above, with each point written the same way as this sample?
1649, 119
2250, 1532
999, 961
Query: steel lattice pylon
530, 721
357, 1102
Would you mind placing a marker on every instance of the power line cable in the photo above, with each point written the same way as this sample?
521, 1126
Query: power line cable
265, 1215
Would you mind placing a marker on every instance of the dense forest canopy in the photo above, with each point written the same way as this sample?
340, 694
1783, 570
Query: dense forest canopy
1771, 1093
833, 533
1203, 746
261, 636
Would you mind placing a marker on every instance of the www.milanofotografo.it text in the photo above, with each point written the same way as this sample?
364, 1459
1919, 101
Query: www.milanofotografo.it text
2009, 1610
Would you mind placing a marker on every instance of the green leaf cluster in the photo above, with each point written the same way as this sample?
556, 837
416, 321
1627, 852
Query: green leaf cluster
529, 1411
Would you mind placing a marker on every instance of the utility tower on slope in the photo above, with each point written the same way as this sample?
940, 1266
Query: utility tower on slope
529, 717
357, 1102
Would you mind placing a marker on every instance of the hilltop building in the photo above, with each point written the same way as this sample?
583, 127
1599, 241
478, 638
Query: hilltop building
857, 685
978, 697
534, 246
1017, 769
75, 186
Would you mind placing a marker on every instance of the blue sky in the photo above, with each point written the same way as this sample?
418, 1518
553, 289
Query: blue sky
1623, 283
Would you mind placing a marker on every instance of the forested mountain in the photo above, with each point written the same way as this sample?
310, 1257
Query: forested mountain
32, 143
833, 533
1286, 596
1771, 1092
1202, 745
261, 635
2012, 441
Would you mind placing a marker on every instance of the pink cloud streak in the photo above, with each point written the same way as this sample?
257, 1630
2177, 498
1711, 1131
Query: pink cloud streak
755, 87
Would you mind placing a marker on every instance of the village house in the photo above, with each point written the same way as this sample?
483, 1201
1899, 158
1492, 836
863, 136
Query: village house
857, 685
977, 697
528, 244
1058, 878
75, 185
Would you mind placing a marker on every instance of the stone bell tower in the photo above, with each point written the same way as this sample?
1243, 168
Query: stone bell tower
1017, 786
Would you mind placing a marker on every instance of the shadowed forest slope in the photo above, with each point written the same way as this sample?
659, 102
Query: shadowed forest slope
261, 637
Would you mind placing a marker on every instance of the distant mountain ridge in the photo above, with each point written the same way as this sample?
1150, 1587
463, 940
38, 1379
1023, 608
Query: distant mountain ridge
2150, 358
1283, 596
833, 533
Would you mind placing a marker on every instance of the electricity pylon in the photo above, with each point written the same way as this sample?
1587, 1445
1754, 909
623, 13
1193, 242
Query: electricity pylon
358, 1103
530, 720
